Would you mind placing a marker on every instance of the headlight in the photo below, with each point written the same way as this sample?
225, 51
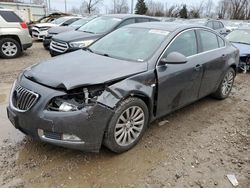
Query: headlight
81, 44
76, 100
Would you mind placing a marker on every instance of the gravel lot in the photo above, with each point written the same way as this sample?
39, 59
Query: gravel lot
193, 147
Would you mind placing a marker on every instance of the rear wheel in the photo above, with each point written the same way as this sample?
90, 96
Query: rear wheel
127, 125
9, 48
226, 85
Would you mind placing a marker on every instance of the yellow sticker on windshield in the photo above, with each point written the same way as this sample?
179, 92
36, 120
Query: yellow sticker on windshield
159, 32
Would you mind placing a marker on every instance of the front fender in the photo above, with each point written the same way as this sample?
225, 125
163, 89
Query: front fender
141, 86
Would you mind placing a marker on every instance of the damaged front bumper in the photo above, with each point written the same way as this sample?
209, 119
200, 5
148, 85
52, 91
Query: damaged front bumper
82, 129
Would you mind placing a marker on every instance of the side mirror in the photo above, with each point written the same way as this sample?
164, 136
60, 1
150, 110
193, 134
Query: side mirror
174, 58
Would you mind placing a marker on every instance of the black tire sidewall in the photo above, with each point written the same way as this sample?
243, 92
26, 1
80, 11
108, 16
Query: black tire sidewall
19, 50
109, 139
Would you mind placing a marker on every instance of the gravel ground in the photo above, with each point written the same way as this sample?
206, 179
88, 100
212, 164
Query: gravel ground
196, 146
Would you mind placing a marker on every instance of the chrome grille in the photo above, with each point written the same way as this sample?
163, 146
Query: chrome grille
59, 46
23, 99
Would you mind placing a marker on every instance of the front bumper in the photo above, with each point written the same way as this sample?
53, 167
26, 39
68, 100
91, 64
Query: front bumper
88, 124
46, 42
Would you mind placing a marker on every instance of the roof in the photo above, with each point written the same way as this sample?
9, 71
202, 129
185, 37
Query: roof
125, 16
168, 26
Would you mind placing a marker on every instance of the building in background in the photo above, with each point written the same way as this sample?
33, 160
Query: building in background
28, 12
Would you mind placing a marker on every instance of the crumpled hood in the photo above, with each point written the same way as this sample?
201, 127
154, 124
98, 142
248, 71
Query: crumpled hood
76, 36
60, 29
244, 48
81, 68
45, 25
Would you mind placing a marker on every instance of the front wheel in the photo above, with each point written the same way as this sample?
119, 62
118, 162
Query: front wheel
226, 85
127, 125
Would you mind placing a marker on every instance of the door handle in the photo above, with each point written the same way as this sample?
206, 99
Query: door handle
198, 67
224, 56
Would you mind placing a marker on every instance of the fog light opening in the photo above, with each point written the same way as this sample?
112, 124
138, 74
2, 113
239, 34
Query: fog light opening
70, 137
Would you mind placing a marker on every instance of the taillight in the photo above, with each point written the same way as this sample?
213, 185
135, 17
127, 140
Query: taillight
24, 25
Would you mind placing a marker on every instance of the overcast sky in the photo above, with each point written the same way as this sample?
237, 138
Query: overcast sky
59, 4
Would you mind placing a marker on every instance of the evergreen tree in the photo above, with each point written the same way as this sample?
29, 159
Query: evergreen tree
184, 12
141, 7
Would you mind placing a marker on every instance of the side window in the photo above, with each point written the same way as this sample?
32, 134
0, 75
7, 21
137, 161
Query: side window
208, 40
10, 16
140, 20
221, 42
210, 24
127, 22
217, 25
185, 44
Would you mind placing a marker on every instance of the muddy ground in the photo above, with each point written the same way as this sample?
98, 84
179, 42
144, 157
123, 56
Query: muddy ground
193, 147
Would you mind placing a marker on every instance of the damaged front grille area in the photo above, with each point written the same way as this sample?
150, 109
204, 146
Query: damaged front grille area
23, 99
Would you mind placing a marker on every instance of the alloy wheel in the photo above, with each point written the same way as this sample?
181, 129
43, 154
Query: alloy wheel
9, 49
129, 125
227, 83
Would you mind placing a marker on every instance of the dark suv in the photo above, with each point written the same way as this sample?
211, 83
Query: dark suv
93, 30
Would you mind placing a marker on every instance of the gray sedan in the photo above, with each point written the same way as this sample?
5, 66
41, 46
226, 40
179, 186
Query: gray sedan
110, 92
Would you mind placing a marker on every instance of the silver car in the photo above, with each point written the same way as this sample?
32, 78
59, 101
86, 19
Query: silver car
14, 34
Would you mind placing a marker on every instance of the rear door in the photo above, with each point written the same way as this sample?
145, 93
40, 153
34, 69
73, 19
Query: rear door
179, 84
214, 59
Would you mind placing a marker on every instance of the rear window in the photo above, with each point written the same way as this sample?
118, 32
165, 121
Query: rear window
10, 16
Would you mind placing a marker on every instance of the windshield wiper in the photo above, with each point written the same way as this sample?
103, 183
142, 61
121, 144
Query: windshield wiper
241, 42
88, 49
89, 32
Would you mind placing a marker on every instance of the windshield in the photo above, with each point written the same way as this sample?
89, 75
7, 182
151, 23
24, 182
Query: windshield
78, 23
100, 25
135, 44
239, 36
59, 20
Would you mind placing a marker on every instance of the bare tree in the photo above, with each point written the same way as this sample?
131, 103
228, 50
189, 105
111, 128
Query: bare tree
196, 11
223, 8
120, 6
89, 6
155, 8
237, 8
208, 7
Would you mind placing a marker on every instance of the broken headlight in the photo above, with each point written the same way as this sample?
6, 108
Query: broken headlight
75, 100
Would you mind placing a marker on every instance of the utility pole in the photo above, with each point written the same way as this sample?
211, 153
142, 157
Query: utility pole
132, 7
65, 2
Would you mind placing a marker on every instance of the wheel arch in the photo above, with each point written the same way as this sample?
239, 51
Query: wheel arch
15, 37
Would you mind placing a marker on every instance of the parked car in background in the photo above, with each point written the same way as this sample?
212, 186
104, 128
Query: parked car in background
241, 39
217, 25
105, 95
61, 29
14, 34
41, 29
46, 19
93, 30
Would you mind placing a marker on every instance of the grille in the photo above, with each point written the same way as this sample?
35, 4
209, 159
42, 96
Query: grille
59, 46
23, 99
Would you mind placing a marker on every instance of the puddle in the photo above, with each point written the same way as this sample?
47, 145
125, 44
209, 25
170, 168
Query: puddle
7, 130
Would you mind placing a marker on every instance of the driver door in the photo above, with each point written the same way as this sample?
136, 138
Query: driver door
178, 84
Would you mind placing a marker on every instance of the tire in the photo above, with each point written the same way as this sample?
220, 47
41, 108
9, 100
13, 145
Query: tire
14, 50
133, 129
223, 91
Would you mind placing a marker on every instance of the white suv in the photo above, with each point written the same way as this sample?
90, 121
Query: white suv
14, 34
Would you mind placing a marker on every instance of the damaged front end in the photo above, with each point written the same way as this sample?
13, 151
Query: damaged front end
76, 99
244, 64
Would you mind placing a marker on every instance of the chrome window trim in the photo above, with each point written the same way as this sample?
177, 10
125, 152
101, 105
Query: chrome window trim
199, 53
